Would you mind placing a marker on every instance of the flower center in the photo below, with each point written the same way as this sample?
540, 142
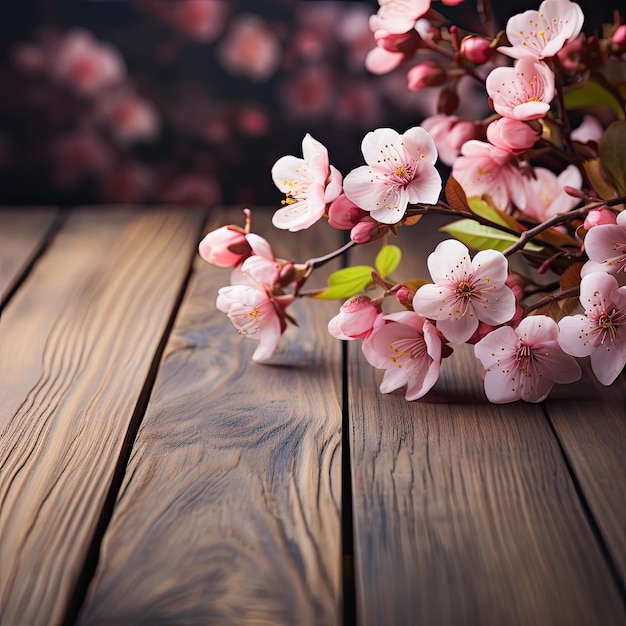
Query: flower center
464, 289
524, 359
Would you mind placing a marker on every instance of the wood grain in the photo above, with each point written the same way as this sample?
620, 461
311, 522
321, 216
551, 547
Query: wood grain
22, 231
230, 509
465, 512
590, 421
76, 344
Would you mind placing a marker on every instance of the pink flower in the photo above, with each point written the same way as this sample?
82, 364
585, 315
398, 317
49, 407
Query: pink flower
355, 319
545, 197
605, 245
250, 48
130, 118
255, 313
512, 135
465, 291
398, 16
309, 183
87, 65
400, 170
408, 348
523, 92
601, 331
225, 247
524, 363
484, 170
382, 61
543, 33
449, 133
426, 74
200, 20
79, 155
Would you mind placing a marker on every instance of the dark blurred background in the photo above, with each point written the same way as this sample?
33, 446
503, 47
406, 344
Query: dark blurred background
192, 101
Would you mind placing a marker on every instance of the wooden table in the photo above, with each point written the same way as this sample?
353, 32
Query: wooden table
150, 473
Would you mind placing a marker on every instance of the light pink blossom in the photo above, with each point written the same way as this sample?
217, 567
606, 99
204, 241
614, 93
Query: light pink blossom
522, 92
250, 48
398, 16
605, 246
511, 135
400, 170
545, 197
355, 319
543, 33
465, 291
200, 20
408, 348
255, 313
484, 170
310, 184
449, 133
524, 363
87, 65
129, 117
601, 331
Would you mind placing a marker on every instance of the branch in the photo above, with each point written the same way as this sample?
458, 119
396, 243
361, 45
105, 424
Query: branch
554, 297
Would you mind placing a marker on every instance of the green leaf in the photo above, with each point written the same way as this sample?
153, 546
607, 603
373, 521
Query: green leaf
347, 282
612, 152
387, 259
593, 93
487, 211
481, 237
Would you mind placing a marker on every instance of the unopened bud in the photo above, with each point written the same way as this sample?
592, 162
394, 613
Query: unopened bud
476, 50
426, 74
598, 217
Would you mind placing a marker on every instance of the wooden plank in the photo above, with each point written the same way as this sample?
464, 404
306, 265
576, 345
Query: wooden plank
465, 512
22, 232
590, 421
76, 345
230, 509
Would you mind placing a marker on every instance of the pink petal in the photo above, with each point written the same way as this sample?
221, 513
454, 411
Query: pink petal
576, 335
420, 144
460, 329
449, 260
426, 186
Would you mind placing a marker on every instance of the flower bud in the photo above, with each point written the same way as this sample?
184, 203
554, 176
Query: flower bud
598, 217
476, 50
225, 247
343, 214
426, 74
405, 297
364, 231
511, 135
355, 319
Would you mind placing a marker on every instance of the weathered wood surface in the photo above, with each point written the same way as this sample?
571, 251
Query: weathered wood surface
590, 421
76, 346
465, 512
230, 509
22, 233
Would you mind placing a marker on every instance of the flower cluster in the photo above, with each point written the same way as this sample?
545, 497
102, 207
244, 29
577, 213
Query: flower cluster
540, 177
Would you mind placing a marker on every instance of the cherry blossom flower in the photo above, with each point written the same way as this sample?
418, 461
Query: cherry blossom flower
355, 319
485, 170
309, 183
250, 48
465, 291
400, 170
590, 130
522, 92
512, 135
524, 363
255, 313
601, 331
408, 348
545, 197
605, 245
543, 33
129, 117
199, 20
449, 133
87, 65
398, 16
79, 155
226, 246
